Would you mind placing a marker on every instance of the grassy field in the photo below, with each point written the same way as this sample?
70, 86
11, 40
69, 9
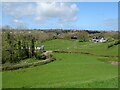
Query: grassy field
75, 45
70, 70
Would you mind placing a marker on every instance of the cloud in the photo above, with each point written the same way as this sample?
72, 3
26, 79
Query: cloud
64, 12
60, 0
18, 10
17, 23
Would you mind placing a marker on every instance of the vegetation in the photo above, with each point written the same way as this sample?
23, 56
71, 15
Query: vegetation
85, 47
27, 63
80, 62
16, 48
69, 70
113, 44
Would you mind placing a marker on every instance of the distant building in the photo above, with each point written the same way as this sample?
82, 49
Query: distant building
37, 48
29, 32
40, 48
98, 39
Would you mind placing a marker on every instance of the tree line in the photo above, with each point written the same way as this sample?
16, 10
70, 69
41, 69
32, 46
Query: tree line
16, 47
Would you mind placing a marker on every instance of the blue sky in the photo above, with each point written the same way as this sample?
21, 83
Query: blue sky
78, 15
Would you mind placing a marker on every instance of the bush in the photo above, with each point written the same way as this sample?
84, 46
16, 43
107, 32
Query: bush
53, 59
38, 55
43, 57
14, 67
110, 45
115, 43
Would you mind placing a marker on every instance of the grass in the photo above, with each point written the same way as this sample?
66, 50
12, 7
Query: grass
108, 59
29, 60
69, 70
75, 45
1, 80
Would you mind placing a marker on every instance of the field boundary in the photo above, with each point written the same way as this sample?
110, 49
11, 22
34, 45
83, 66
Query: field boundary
62, 51
19, 66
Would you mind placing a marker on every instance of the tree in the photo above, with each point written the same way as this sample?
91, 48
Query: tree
83, 36
33, 46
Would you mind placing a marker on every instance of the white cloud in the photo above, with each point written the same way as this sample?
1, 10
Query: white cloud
60, 0
17, 23
64, 12
18, 10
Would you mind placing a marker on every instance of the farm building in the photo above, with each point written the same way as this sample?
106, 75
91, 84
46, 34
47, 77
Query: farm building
98, 39
40, 48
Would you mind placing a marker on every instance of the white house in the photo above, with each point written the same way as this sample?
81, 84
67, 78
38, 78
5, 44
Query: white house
102, 40
40, 48
37, 48
98, 39
29, 32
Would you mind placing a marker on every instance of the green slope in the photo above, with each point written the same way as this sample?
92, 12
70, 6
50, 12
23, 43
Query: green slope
75, 45
69, 70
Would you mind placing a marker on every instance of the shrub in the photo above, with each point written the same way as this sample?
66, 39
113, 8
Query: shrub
43, 57
110, 45
38, 55
115, 43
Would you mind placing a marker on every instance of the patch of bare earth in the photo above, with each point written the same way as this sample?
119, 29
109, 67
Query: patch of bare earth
115, 63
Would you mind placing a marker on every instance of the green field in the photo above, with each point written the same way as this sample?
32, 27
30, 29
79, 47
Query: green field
69, 70
75, 45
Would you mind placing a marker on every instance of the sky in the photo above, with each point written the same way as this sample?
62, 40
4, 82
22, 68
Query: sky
60, 15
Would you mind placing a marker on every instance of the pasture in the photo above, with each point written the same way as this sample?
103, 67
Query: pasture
70, 70
75, 45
